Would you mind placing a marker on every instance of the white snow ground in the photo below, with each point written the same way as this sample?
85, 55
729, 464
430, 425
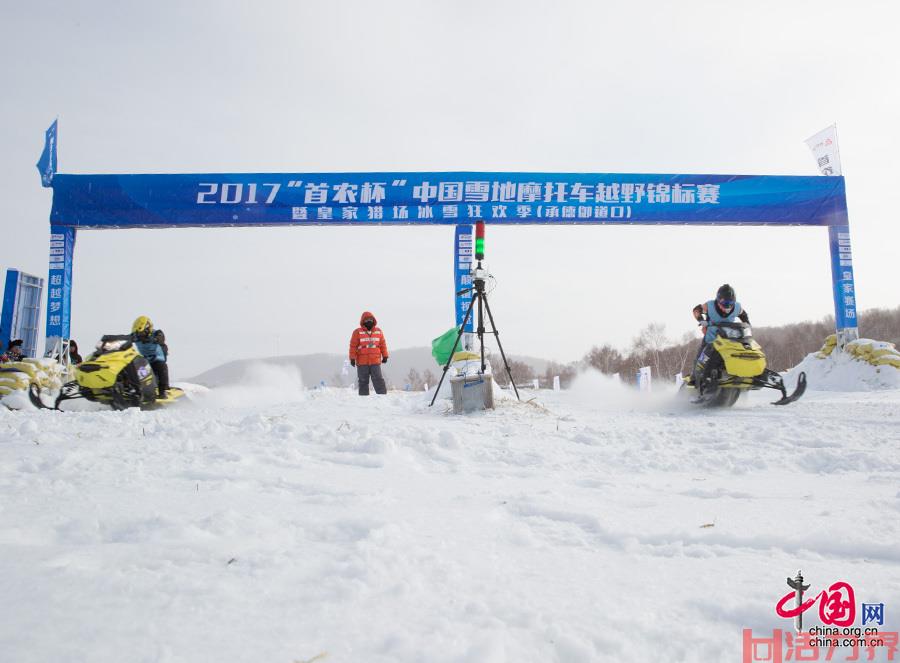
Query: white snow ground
279, 525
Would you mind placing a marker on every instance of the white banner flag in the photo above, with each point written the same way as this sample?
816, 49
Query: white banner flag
824, 147
645, 377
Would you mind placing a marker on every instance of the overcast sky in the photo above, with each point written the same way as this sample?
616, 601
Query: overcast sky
627, 87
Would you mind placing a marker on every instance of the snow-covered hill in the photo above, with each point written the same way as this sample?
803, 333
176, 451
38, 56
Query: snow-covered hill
265, 522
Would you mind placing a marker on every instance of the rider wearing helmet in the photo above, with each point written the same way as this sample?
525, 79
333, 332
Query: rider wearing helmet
724, 308
151, 343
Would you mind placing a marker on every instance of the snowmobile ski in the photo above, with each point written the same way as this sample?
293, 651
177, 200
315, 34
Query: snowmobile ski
798, 391
71, 391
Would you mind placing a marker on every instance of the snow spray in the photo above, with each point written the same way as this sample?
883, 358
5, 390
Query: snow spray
257, 384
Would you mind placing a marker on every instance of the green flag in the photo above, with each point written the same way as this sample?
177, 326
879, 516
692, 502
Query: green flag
442, 346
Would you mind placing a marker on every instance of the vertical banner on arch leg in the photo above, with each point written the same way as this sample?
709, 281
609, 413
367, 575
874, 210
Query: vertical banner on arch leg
462, 273
59, 285
824, 146
844, 289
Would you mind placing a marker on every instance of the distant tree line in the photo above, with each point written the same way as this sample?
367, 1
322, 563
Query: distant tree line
524, 374
785, 346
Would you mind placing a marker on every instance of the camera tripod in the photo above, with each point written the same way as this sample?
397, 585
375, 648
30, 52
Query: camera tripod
479, 295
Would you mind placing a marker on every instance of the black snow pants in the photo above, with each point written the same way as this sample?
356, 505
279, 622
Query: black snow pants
363, 373
707, 359
161, 371
700, 362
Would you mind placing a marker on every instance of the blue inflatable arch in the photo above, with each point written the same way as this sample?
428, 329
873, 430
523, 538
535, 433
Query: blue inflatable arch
98, 202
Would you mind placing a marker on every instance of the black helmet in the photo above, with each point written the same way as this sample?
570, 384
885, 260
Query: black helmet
725, 297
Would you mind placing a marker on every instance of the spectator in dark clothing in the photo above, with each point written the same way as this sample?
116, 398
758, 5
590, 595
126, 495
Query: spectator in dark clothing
13, 351
74, 357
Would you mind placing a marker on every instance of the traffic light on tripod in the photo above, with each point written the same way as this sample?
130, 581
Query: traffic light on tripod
479, 240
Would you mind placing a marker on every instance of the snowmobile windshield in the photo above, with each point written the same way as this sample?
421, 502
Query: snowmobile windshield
735, 331
113, 344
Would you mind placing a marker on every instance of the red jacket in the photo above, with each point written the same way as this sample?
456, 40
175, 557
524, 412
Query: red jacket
367, 347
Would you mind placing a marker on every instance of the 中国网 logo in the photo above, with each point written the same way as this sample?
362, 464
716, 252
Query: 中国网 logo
837, 605
838, 612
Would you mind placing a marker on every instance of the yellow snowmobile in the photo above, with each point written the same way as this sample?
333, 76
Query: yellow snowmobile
115, 374
737, 364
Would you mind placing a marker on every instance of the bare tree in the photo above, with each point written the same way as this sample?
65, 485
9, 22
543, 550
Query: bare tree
566, 373
414, 380
428, 378
649, 345
605, 359
881, 325
522, 373
686, 351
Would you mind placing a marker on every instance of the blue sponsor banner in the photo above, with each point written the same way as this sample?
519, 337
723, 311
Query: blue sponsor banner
21, 310
842, 277
46, 165
59, 286
128, 201
7, 313
448, 198
463, 249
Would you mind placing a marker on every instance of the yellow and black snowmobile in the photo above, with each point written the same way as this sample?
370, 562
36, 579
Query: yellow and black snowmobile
115, 374
736, 364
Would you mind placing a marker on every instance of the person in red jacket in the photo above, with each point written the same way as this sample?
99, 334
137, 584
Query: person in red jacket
368, 351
